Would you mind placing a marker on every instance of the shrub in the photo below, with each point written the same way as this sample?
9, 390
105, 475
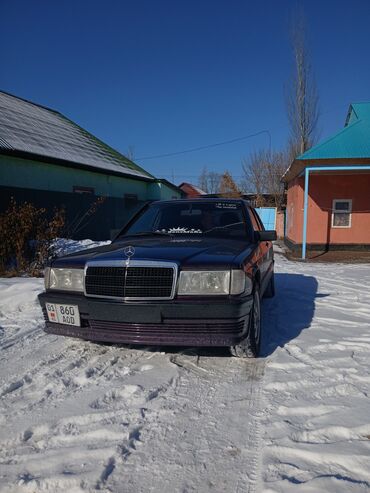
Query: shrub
26, 237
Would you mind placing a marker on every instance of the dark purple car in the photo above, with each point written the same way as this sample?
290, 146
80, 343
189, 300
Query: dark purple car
184, 273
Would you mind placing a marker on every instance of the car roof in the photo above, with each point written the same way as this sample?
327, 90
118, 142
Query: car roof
200, 200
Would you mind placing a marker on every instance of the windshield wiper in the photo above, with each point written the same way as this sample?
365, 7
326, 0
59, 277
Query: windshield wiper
222, 227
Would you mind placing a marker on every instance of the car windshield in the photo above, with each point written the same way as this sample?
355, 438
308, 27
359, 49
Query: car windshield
224, 219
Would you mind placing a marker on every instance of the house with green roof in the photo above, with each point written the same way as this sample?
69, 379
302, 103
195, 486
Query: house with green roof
50, 161
328, 199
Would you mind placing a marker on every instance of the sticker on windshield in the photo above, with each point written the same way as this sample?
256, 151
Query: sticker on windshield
226, 205
179, 230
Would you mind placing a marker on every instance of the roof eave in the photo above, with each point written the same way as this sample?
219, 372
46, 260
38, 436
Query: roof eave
71, 164
298, 166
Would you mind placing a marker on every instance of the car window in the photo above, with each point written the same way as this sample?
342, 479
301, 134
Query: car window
144, 221
259, 221
256, 222
198, 218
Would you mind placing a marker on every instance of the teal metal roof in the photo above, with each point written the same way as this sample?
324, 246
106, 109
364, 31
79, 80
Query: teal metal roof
358, 111
351, 142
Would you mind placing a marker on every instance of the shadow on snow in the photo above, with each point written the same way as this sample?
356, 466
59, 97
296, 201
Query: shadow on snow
283, 317
289, 312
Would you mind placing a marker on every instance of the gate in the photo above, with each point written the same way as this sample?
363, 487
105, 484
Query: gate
268, 216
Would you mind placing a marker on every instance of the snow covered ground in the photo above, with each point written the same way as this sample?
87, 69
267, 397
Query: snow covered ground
82, 417
317, 388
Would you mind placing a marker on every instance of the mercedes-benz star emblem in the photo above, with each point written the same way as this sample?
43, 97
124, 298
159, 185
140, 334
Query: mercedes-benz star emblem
129, 251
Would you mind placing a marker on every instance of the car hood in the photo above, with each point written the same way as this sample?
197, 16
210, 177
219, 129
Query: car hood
209, 252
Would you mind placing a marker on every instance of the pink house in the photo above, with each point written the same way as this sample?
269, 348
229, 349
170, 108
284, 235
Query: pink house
328, 201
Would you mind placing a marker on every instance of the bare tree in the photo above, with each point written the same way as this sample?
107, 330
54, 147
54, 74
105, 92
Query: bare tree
275, 168
209, 181
254, 170
228, 187
262, 176
214, 180
302, 96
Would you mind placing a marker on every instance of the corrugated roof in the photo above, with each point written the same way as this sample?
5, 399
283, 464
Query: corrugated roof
359, 111
351, 142
36, 130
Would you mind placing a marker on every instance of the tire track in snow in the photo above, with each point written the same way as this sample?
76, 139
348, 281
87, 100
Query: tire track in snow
203, 432
77, 416
63, 451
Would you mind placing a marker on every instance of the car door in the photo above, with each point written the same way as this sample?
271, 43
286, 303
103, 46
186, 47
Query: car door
265, 250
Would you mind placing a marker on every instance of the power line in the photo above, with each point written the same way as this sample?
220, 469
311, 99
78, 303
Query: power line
226, 142
200, 148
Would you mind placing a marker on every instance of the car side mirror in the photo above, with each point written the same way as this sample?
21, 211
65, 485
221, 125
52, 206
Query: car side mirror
268, 235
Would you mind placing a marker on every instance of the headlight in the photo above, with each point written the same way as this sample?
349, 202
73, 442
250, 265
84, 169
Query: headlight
204, 282
64, 279
214, 282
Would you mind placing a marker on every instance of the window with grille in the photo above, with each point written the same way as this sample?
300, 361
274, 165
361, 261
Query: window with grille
342, 213
83, 190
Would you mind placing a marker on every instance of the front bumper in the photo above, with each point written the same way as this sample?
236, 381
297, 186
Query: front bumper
177, 322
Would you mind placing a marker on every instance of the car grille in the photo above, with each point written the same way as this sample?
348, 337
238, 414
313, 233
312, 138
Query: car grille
132, 282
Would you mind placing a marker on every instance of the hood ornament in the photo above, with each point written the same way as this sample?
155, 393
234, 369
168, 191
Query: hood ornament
129, 251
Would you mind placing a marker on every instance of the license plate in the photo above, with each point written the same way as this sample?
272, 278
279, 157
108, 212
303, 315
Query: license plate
63, 314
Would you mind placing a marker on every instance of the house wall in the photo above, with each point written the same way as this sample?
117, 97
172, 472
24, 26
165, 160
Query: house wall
50, 186
168, 193
84, 217
23, 173
161, 191
280, 224
294, 210
323, 189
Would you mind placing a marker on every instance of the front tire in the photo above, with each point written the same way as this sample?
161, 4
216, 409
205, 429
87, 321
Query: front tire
249, 347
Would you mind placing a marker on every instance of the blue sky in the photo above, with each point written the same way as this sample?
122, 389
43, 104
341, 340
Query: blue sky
163, 76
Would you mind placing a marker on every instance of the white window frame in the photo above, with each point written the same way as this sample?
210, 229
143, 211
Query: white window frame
341, 211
